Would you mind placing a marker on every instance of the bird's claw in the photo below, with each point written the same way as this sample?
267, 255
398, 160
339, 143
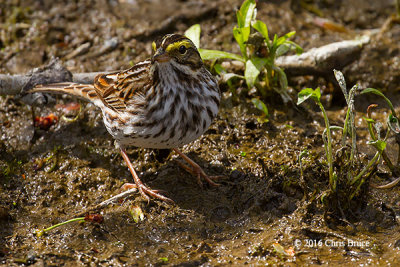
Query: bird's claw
146, 192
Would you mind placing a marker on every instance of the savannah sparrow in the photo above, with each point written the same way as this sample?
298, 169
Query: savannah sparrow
164, 102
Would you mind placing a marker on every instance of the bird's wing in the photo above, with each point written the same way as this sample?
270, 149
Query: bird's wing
117, 88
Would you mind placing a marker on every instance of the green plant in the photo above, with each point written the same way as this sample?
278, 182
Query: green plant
374, 130
94, 218
252, 36
302, 155
10, 168
349, 175
316, 96
261, 106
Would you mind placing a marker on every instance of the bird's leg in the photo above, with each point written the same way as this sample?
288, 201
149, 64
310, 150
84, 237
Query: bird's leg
196, 170
144, 190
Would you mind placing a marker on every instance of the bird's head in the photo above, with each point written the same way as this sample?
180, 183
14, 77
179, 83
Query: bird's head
177, 48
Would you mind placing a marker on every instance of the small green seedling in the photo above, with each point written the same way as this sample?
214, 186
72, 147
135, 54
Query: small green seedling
315, 95
88, 218
136, 213
302, 155
163, 260
40, 233
252, 36
350, 175
261, 106
393, 125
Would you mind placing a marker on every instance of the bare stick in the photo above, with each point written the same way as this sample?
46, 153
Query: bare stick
324, 59
107, 202
13, 84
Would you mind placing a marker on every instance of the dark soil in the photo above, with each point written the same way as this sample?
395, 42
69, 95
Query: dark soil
47, 176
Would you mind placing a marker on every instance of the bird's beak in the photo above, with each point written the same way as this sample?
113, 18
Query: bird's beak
160, 56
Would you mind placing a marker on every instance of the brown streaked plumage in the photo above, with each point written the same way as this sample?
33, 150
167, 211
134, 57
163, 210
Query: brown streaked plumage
165, 102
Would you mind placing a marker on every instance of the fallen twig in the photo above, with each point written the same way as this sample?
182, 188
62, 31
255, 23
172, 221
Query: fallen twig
14, 84
107, 202
323, 59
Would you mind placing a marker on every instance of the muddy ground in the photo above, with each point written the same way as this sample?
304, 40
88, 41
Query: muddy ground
261, 200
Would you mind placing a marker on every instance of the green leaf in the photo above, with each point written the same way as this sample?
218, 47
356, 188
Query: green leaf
136, 213
245, 13
368, 120
219, 69
297, 48
287, 46
283, 38
288, 126
207, 54
380, 145
261, 28
193, 33
260, 105
340, 79
259, 62
250, 73
274, 45
163, 259
253, 69
307, 93
227, 76
282, 49
275, 40
282, 77
377, 92
393, 124
242, 36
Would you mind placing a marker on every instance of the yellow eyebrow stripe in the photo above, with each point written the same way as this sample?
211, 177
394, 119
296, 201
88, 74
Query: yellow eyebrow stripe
153, 46
178, 44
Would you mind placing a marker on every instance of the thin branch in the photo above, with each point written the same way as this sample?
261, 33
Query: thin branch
321, 60
14, 84
107, 202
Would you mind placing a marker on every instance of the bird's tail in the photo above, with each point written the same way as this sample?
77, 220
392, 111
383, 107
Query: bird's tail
83, 91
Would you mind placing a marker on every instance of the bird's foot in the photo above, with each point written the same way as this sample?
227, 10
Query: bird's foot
197, 171
146, 192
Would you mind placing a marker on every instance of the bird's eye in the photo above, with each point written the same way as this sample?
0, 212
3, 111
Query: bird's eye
182, 49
